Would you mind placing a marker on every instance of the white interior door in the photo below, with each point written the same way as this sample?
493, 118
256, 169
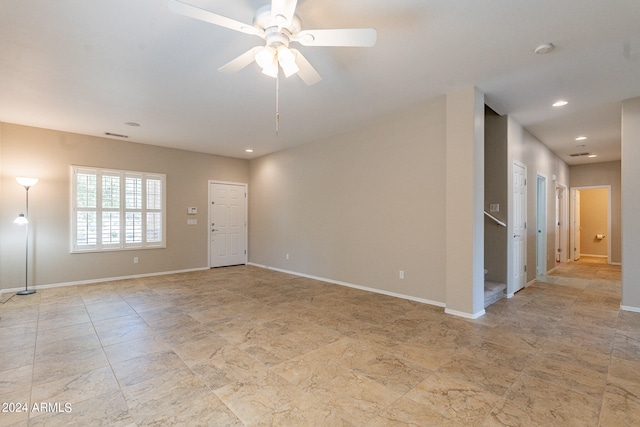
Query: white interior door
576, 226
519, 226
541, 225
227, 224
560, 226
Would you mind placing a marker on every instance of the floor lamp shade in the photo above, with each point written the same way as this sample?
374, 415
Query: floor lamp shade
27, 182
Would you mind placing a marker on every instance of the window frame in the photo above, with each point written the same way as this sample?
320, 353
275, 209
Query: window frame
95, 241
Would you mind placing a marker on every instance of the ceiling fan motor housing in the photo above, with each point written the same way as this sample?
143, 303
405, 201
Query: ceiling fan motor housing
277, 31
277, 37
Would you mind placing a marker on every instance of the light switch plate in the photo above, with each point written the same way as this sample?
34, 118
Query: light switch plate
192, 210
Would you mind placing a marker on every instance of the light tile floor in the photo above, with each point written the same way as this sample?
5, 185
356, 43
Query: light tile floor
248, 346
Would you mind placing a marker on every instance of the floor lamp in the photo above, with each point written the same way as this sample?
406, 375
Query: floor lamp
23, 219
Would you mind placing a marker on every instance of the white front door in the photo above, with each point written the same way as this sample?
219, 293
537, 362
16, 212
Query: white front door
227, 224
519, 226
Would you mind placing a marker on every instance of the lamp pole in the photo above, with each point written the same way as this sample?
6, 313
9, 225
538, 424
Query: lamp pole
27, 183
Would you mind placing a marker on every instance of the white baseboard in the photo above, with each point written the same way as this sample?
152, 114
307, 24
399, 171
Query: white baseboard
102, 280
351, 285
465, 315
552, 270
322, 279
378, 291
629, 308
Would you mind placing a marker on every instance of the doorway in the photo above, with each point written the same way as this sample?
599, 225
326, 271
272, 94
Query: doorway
227, 224
541, 225
591, 222
561, 224
519, 228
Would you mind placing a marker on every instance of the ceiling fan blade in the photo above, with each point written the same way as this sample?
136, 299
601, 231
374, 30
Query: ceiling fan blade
285, 8
241, 61
178, 6
348, 37
307, 73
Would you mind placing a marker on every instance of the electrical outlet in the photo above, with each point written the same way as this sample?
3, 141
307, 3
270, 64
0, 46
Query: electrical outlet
135, 259
402, 274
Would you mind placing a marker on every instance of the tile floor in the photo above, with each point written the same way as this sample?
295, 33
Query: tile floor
248, 346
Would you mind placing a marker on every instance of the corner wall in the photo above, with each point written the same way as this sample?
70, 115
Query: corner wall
48, 154
464, 204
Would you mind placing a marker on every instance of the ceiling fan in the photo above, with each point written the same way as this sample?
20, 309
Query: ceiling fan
278, 25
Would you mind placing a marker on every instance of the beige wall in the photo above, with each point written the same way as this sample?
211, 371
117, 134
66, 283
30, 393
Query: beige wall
631, 204
594, 220
47, 154
541, 160
606, 173
358, 207
1, 202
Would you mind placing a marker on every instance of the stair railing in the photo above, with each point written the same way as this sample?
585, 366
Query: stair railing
494, 219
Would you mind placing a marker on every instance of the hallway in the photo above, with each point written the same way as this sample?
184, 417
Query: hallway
590, 268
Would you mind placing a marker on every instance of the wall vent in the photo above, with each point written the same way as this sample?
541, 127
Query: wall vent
579, 154
117, 135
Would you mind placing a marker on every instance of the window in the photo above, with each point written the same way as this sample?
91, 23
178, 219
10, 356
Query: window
115, 209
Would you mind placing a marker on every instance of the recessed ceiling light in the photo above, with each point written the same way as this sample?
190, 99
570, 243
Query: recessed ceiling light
249, 150
544, 48
592, 155
560, 103
581, 138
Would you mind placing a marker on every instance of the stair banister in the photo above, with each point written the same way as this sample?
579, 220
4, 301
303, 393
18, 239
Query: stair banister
496, 220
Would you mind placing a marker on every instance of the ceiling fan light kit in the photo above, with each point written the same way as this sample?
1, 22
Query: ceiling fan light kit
287, 61
269, 58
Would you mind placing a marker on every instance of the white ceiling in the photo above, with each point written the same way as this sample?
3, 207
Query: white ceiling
90, 66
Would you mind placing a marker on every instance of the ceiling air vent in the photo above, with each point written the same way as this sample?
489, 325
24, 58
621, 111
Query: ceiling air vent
579, 154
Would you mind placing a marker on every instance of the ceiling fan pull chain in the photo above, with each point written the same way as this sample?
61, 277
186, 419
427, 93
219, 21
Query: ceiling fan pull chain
277, 102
